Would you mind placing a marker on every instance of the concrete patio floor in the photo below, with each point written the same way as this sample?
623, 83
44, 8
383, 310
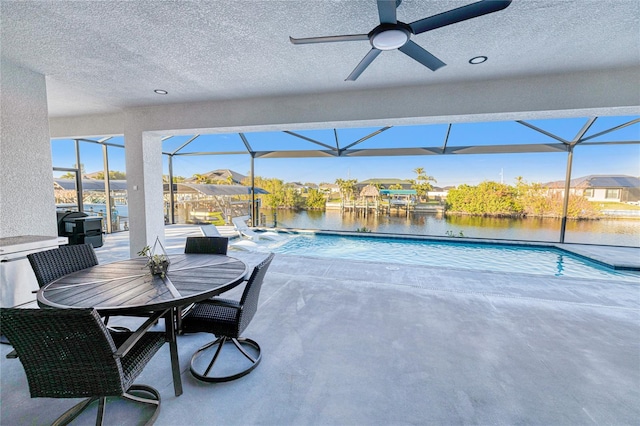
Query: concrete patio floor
364, 343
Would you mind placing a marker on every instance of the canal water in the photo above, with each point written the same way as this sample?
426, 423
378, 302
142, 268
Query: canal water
620, 232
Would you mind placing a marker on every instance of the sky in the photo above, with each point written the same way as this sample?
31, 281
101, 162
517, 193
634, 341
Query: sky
448, 170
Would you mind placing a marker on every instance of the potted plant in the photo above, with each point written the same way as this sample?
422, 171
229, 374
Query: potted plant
158, 263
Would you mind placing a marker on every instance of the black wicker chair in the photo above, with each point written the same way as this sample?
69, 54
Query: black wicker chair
70, 353
206, 245
49, 265
201, 245
52, 264
227, 319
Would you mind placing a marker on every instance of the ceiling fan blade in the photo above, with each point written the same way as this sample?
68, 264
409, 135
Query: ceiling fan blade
329, 39
387, 11
364, 63
460, 14
421, 55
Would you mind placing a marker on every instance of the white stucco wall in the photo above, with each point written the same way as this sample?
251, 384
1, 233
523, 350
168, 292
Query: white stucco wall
143, 155
27, 203
600, 194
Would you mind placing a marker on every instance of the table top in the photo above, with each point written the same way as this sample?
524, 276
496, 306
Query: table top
127, 287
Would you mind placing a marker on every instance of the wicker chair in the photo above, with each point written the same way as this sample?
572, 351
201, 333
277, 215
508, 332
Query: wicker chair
201, 245
70, 353
49, 265
206, 245
227, 319
52, 264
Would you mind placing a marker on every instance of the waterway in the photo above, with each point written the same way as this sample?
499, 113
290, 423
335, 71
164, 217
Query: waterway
619, 232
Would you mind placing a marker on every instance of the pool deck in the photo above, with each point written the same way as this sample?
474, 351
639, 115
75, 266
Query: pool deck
369, 343
617, 257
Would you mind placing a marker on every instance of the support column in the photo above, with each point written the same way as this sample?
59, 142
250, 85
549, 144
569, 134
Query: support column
27, 202
143, 154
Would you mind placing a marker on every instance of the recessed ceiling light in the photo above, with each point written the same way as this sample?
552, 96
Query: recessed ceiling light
161, 92
478, 60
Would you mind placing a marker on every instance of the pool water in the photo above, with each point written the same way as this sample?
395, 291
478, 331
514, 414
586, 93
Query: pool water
487, 257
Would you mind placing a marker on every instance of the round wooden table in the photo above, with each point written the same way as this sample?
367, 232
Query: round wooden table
128, 288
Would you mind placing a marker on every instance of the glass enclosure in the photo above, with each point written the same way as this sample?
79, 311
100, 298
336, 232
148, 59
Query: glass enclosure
92, 170
571, 180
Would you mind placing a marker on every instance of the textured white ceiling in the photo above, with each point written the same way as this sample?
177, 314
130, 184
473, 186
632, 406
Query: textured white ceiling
103, 56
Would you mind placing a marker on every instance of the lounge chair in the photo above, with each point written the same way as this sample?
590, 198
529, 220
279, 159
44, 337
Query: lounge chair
242, 244
241, 226
210, 231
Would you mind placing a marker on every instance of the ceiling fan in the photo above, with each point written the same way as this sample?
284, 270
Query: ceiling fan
393, 34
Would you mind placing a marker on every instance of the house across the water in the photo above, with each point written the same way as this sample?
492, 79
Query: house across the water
609, 188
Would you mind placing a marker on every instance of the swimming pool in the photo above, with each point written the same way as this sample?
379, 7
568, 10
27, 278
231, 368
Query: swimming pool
488, 257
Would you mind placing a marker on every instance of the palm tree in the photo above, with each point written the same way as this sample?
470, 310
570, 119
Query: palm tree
421, 183
347, 187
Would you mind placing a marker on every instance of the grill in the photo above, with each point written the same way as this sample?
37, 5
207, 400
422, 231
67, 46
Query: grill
80, 228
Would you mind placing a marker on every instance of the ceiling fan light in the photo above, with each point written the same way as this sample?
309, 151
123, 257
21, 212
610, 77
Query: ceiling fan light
390, 39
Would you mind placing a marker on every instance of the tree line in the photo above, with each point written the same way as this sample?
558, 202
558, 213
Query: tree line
488, 198
520, 200
282, 195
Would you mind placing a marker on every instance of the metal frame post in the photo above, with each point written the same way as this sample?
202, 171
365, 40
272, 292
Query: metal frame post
567, 187
79, 191
172, 204
253, 193
107, 189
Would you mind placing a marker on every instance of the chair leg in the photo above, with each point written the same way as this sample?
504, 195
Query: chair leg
241, 349
220, 342
102, 408
75, 411
143, 388
154, 400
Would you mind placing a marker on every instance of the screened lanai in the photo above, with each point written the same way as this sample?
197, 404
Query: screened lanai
561, 150
208, 203
556, 145
496, 347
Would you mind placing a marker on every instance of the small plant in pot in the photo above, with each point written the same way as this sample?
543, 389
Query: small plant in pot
158, 263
